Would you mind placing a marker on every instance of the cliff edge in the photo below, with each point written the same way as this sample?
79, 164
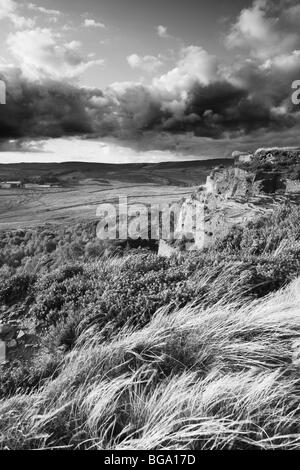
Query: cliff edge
252, 187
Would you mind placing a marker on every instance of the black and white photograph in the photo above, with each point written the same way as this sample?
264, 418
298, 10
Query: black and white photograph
149, 228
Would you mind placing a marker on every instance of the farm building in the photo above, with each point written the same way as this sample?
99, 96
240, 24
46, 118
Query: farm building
11, 184
37, 185
41, 185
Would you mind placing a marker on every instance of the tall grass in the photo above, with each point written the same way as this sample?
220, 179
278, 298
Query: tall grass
221, 377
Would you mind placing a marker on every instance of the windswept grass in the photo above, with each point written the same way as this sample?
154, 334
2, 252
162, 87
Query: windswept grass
218, 377
141, 352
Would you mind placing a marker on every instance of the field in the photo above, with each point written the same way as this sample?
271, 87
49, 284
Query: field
85, 186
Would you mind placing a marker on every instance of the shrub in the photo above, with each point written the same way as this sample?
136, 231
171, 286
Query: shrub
16, 288
24, 378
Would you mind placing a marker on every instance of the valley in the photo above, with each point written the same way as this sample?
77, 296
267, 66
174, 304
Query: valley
81, 187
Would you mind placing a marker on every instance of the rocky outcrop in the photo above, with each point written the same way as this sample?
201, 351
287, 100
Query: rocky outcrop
267, 171
232, 197
274, 168
292, 186
15, 341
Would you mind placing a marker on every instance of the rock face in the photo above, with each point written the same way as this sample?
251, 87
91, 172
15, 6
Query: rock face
274, 168
292, 186
220, 181
234, 196
2, 352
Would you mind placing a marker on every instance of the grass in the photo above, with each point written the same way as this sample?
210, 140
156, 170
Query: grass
196, 352
221, 377
86, 185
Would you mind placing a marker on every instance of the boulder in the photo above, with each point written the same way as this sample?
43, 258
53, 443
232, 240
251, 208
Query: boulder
165, 250
296, 353
21, 335
2, 352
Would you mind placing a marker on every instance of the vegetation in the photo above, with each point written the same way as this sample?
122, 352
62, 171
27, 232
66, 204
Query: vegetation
283, 162
215, 378
140, 352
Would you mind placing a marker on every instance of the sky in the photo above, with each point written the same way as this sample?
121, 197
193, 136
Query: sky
129, 27
180, 79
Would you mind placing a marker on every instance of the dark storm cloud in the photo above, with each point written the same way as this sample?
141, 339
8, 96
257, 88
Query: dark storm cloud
248, 101
48, 108
41, 109
222, 107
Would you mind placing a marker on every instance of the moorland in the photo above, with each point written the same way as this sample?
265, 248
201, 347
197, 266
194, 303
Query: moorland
110, 346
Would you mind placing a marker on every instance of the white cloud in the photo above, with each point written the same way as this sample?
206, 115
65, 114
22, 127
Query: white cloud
162, 31
46, 11
147, 63
286, 62
194, 66
7, 7
266, 29
73, 45
9, 11
42, 56
122, 87
67, 27
90, 23
171, 90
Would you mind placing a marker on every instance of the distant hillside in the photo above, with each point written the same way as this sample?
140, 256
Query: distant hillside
182, 173
77, 188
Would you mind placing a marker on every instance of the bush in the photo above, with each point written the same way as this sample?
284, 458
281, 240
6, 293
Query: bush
16, 288
57, 290
24, 378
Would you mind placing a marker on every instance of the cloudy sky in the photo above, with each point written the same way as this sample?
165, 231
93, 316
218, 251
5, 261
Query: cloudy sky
155, 79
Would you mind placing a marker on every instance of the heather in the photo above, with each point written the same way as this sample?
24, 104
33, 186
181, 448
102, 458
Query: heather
137, 351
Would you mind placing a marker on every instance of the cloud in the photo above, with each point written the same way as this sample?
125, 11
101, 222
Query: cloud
195, 97
147, 63
45, 108
292, 14
68, 27
9, 11
7, 8
135, 107
266, 29
41, 54
199, 96
162, 31
90, 23
194, 65
46, 11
